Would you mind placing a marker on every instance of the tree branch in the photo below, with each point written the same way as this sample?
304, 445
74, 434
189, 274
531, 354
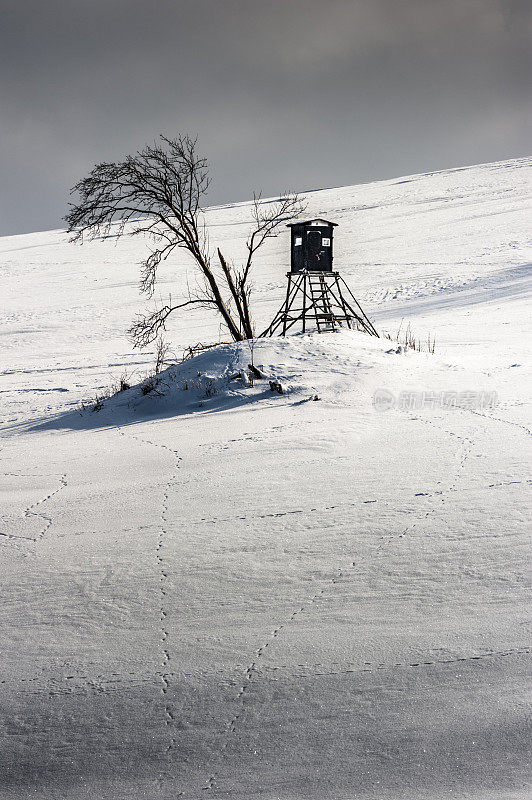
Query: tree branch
145, 328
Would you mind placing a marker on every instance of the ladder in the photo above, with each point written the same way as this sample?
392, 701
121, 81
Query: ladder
323, 313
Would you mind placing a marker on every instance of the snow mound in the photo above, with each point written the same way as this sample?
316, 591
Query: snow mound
343, 369
298, 368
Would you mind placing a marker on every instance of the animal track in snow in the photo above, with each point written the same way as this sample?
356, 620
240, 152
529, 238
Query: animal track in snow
276, 514
163, 574
466, 447
252, 669
29, 512
499, 419
350, 668
338, 668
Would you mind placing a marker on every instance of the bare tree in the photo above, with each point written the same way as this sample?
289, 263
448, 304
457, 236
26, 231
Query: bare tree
158, 192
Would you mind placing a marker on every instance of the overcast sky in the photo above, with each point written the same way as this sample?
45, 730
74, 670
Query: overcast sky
283, 94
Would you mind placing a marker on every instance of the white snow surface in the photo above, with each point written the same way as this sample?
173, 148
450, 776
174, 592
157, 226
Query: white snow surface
218, 591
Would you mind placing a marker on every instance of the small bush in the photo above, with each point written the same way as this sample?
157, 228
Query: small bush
407, 339
164, 357
148, 386
210, 388
99, 401
123, 384
151, 385
201, 384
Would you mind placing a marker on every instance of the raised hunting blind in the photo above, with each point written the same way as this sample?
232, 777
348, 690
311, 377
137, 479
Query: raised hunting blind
312, 245
316, 295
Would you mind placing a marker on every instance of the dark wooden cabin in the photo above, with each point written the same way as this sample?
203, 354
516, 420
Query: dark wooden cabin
312, 245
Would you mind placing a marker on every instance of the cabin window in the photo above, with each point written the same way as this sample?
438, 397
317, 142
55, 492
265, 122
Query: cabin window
298, 241
326, 242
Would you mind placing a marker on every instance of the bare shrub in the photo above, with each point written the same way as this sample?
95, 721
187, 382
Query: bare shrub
209, 387
99, 401
164, 356
151, 385
407, 339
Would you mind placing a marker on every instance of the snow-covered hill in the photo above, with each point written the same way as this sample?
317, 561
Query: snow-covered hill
219, 591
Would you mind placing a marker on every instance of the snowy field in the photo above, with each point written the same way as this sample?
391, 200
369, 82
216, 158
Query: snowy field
223, 592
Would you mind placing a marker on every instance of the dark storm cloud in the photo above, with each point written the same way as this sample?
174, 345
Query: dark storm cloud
282, 93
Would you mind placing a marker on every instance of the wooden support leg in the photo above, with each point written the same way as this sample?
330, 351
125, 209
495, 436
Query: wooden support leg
304, 302
342, 302
286, 306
